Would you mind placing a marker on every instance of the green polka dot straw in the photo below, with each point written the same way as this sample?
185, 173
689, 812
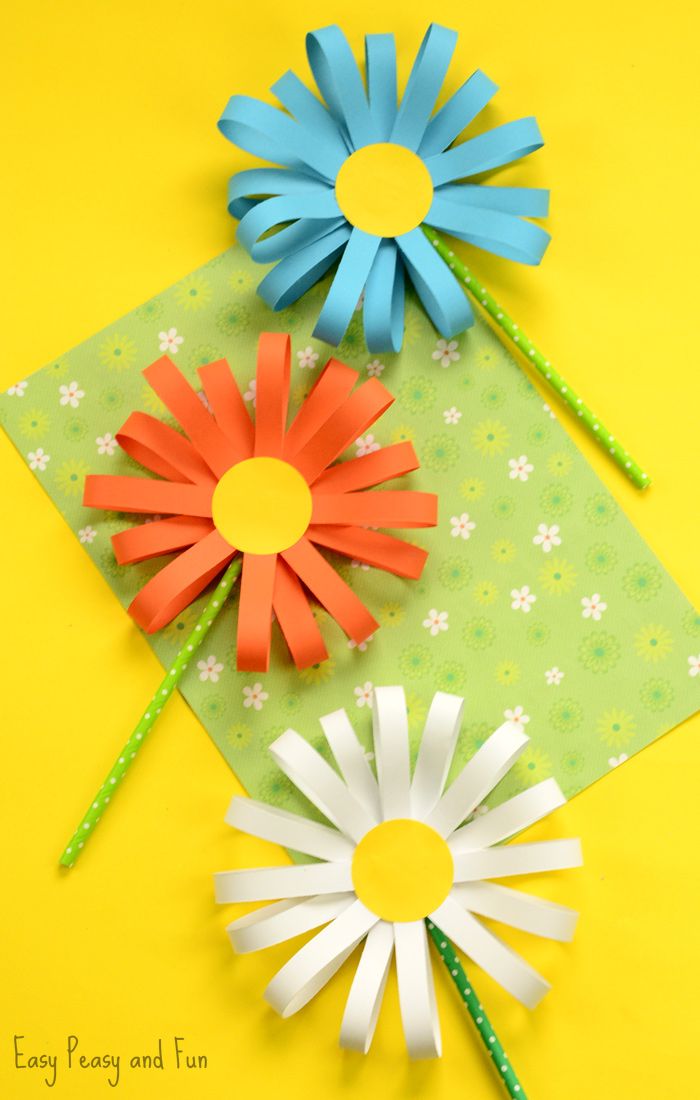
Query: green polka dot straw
544, 368
475, 1009
148, 719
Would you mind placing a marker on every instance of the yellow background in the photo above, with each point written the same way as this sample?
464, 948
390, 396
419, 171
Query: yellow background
113, 186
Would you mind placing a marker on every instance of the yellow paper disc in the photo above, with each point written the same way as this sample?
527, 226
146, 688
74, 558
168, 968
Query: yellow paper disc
262, 505
384, 189
402, 870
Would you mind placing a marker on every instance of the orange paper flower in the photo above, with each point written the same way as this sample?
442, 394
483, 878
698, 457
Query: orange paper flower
271, 493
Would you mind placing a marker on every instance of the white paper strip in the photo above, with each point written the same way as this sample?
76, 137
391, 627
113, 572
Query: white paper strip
517, 859
269, 883
367, 989
284, 920
354, 765
519, 910
485, 769
320, 783
490, 953
509, 818
280, 827
421, 1025
316, 962
390, 728
436, 751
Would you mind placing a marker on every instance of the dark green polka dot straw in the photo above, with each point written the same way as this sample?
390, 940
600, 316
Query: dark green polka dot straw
544, 368
475, 1009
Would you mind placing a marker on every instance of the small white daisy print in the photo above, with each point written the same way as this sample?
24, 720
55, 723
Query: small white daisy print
254, 696
106, 444
87, 535
363, 694
593, 607
554, 676
366, 445
615, 761
38, 460
452, 416
462, 526
18, 389
361, 647
520, 468
436, 621
210, 669
547, 537
446, 352
170, 341
522, 598
694, 666
517, 715
249, 394
71, 395
375, 368
307, 359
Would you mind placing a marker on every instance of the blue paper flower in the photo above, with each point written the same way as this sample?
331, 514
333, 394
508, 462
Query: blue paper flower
362, 173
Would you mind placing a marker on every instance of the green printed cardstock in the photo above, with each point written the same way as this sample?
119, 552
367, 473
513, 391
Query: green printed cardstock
539, 601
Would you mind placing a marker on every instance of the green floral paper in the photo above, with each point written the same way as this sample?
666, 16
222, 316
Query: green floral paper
539, 602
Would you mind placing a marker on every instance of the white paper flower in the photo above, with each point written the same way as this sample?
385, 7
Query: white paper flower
446, 352
38, 460
694, 663
71, 395
522, 598
210, 669
106, 444
170, 341
396, 854
254, 696
366, 445
436, 622
547, 537
554, 676
363, 694
17, 390
87, 535
462, 526
594, 607
307, 359
375, 368
452, 415
520, 468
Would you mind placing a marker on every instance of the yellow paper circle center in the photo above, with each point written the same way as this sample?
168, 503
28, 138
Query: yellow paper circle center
262, 505
384, 189
402, 870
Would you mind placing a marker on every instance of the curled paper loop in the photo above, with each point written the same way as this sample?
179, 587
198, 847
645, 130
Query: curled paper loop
393, 860
307, 228
274, 494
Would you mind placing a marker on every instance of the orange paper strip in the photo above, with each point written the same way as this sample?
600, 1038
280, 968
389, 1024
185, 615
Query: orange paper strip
162, 536
390, 508
180, 582
369, 470
359, 411
255, 613
382, 551
177, 395
330, 590
272, 393
140, 494
327, 394
161, 449
228, 406
296, 619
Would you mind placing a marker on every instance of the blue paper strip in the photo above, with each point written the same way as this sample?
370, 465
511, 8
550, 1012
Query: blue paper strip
347, 286
293, 276
461, 109
310, 113
247, 189
383, 309
284, 208
338, 77
503, 234
380, 66
528, 202
490, 150
423, 87
268, 133
445, 302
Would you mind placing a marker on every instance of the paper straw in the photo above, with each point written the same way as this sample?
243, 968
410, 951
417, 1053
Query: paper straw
543, 367
476, 1010
149, 717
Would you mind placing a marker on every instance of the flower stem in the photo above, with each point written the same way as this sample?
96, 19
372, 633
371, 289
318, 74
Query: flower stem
544, 368
481, 1021
149, 717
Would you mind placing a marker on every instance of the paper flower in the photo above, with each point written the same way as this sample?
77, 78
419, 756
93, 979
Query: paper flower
362, 173
397, 853
273, 494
